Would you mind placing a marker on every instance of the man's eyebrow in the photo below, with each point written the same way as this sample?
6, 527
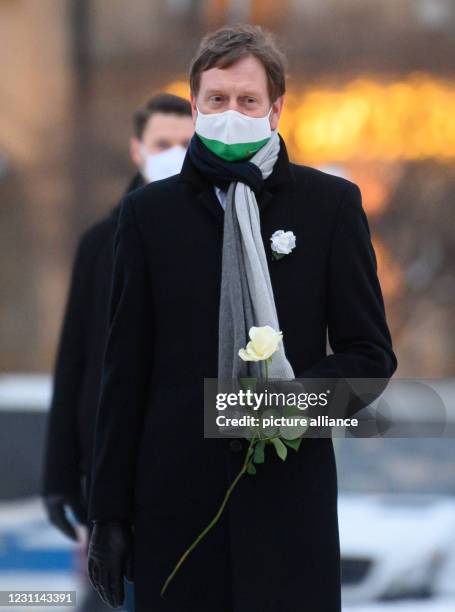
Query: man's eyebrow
215, 91
249, 94
158, 142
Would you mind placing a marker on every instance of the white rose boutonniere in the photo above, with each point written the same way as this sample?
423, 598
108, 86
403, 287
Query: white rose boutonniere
283, 243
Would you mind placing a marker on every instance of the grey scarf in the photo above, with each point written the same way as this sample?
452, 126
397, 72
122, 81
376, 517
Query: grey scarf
246, 290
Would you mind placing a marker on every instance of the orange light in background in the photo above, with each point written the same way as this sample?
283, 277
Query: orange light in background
389, 272
269, 13
376, 179
365, 119
374, 194
179, 88
368, 120
215, 13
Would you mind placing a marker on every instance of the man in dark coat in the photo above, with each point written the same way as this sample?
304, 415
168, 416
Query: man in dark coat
162, 129
157, 481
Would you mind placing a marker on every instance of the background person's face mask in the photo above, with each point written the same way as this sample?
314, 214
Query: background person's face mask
231, 135
161, 165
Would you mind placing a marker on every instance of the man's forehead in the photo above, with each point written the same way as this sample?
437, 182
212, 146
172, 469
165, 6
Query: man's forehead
243, 74
160, 123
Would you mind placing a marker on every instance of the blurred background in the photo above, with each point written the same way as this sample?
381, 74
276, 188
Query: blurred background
371, 96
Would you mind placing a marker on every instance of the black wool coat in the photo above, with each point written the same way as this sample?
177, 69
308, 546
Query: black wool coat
276, 547
78, 364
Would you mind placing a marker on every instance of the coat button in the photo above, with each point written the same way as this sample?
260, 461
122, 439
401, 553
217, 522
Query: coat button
235, 446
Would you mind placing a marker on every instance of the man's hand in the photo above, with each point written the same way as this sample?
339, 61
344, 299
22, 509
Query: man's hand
110, 558
55, 507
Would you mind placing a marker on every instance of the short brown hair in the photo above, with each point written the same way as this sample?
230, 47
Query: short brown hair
222, 48
161, 103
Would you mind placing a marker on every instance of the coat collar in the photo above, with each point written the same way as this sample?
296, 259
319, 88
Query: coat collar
282, 172
136, 182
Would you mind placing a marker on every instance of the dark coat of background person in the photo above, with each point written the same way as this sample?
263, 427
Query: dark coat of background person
78, 365
277, 544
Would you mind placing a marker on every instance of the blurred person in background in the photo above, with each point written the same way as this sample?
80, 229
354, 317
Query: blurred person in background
181, 307
162, 130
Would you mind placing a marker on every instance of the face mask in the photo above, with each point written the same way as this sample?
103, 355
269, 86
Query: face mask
232, 135
161, 165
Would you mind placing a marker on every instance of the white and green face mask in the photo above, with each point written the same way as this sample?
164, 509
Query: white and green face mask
231, 135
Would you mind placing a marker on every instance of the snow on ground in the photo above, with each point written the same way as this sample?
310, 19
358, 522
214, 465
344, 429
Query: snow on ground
34, 555
416, 605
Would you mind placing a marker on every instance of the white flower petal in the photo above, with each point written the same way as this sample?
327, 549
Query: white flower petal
283, 242
264, 342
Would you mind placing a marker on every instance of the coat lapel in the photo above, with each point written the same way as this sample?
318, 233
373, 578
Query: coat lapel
208, 199
264, 199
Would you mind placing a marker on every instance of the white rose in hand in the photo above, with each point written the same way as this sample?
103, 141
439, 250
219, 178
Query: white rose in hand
263, 343
282, 243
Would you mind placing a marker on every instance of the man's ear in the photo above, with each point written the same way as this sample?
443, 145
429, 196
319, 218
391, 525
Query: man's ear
135, 152
193, 108
277, 108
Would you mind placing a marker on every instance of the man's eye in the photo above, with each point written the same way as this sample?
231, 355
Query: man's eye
216, 99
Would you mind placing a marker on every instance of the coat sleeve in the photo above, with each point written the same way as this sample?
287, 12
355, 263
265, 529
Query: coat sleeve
126, 365
357, 328
62, 453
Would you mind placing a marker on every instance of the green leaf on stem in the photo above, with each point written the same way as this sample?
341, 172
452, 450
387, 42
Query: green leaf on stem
259, 455
280, 448
294, 444
292, 432
266, 430
251, 469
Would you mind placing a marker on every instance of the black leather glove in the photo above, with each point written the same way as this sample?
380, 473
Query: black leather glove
110, 558
56, 504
